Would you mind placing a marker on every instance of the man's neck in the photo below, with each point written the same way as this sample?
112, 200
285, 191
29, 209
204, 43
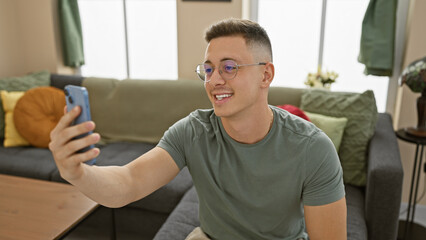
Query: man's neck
249, 129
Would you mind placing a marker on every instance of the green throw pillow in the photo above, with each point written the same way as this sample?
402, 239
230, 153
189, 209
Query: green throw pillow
333, 127
21, 84
361, 111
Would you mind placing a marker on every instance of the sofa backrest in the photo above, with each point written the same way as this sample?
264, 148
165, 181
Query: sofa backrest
284, 95
60, 80
142, 110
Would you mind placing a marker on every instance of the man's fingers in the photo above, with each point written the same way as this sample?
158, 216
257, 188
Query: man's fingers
66, 135
81, 143
71, 167
67, 119
70, 149
61, 138
85, 156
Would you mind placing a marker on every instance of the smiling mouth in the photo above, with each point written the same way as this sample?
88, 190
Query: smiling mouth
222, 96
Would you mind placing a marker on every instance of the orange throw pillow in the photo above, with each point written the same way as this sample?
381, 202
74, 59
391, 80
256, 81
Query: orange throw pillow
37, 113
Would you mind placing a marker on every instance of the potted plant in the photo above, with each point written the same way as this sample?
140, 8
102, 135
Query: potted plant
414, 76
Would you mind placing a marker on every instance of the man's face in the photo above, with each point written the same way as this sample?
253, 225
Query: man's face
239, 96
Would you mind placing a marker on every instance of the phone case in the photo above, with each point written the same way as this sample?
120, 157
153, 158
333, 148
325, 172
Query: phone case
78, 96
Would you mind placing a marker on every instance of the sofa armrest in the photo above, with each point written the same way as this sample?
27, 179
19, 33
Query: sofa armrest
384, 182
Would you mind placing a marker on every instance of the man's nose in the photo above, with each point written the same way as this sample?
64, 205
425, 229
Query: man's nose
216, 78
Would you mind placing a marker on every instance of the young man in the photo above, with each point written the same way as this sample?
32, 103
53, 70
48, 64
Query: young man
260, 172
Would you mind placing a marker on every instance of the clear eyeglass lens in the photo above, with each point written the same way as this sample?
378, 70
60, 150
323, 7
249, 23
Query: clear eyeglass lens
201, 72
208, 69
227, 69
204, 71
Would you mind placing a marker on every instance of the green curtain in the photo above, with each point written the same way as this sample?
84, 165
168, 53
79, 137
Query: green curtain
378, 37
71, 34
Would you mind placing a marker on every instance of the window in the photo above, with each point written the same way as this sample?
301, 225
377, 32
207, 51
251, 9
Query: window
294, 27
129, 38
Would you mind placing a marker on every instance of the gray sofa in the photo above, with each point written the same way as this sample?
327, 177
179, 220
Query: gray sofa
172, 211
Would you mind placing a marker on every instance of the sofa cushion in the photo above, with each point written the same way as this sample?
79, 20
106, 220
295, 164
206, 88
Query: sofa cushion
37, 113
22, 83
332, 127
355, 203
182, 220
27, 162
12, 136
361, 111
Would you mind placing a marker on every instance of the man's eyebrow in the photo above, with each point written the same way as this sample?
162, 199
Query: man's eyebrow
223, 59
228, 58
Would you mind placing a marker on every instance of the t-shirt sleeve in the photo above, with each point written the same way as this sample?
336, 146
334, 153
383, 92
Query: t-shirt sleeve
173, 141
324, 176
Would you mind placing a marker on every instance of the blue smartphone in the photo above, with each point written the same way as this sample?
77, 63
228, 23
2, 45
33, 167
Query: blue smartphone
78, 96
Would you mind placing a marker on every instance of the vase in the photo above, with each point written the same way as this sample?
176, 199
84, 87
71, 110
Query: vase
420, 130
322, 87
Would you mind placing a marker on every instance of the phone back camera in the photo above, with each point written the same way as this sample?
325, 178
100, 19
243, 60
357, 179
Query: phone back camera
70, 100
66, 92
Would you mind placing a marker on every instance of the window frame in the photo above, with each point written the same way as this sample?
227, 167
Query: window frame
127, 46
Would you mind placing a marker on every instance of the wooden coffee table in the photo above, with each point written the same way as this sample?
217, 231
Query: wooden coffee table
37, 209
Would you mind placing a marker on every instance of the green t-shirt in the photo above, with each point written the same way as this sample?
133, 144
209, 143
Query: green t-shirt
256, 191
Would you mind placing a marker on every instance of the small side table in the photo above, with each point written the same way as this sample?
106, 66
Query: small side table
420, 143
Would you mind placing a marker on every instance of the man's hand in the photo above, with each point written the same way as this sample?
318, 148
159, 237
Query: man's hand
64, 148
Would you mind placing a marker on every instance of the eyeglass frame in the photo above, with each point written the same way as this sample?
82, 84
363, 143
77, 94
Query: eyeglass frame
237, 66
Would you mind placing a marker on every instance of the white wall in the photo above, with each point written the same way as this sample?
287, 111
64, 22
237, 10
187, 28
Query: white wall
192, 19
10, 53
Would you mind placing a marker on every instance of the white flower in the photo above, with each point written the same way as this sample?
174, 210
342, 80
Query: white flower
322, 79
317, 84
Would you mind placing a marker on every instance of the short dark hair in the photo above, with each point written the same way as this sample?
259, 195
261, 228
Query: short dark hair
251, 31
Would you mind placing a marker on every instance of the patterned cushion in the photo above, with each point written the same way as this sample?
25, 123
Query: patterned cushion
361, 112
21, 84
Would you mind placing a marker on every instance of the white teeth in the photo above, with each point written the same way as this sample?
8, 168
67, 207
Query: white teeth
220, 97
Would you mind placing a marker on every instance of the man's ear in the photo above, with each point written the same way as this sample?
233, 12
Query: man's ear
268, 74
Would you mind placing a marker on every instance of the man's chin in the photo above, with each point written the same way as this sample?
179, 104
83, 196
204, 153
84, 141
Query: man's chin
219, 112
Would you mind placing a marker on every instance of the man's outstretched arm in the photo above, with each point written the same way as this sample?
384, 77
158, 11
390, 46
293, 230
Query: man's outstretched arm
326, 221
112, 186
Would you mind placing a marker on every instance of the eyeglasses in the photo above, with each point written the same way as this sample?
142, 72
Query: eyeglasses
227, 69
